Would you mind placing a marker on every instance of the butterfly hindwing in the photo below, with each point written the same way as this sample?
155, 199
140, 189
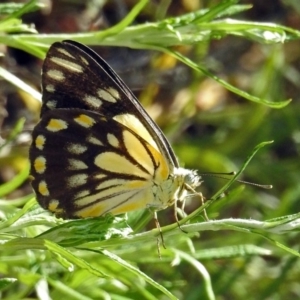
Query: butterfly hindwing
92, 163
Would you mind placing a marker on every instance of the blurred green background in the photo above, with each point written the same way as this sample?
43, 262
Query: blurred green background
210, 129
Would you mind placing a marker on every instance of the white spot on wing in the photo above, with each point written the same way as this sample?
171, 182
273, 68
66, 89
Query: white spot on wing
76, 164
77, 180
76, 148
73, 67
105, 95
91, 139
56, 75
50, 88
114, 93
51, 104
93, 101
84, 60
65, 52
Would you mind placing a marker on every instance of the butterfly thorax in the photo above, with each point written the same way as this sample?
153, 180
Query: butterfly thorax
174, 188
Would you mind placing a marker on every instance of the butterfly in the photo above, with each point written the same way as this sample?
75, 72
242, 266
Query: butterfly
96, 150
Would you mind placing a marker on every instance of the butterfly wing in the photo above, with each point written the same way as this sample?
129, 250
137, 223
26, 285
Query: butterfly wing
96, 150
85, 164
74, 76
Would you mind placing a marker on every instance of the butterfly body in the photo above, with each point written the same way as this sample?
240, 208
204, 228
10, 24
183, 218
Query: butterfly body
96, 150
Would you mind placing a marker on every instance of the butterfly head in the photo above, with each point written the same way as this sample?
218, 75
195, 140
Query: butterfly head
190, 177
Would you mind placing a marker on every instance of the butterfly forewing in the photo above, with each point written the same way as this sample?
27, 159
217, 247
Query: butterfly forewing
74, 76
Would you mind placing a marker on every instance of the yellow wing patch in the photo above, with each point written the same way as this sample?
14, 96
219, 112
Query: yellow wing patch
116, 200
40, 164
116, 163
43, 188
132, 122
40, 142
85, 121
55, 125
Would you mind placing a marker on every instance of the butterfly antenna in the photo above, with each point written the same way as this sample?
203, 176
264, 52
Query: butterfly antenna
217, 175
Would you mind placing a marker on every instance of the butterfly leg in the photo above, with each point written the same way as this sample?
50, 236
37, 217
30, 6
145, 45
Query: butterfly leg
161, 239
204, 210
202, 203
176, 216
202, 198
